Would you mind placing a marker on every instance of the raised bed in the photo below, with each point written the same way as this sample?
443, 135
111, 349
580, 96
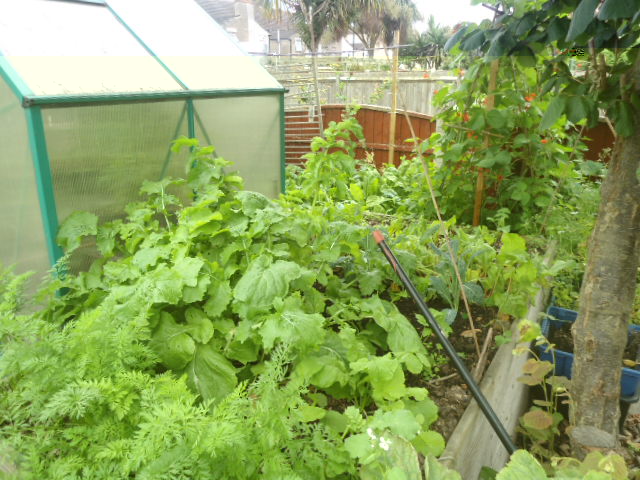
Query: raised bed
473, 444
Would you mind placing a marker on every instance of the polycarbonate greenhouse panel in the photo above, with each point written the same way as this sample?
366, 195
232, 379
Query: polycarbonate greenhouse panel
22, 241
100, 155
246, 131
61, 48
193, 45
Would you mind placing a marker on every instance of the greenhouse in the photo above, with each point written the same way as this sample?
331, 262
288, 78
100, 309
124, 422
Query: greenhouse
90, 112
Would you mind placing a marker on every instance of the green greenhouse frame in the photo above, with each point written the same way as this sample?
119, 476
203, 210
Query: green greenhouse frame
95, 118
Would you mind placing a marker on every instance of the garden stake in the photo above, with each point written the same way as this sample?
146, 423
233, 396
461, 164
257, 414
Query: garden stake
451, 353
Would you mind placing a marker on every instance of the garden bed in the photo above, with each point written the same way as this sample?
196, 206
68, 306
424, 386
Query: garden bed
473, 444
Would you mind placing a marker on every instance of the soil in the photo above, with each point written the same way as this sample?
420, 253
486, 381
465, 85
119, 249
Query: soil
447, 389
562, 339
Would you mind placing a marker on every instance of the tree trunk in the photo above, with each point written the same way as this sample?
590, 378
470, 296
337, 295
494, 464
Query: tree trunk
606, 299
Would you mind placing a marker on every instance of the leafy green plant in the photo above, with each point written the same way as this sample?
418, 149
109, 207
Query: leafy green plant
596, 466
540, 425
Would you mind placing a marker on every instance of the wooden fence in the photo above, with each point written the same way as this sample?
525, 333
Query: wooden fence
301, 125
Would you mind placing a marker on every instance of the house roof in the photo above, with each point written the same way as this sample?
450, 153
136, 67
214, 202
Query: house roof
220, 10
272, 24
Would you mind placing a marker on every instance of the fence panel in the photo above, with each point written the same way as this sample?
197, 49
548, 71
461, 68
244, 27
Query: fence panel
300, 128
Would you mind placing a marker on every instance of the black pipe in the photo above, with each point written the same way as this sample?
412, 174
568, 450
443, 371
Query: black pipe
451, 353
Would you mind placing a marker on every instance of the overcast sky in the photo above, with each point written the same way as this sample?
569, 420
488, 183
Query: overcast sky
450, 12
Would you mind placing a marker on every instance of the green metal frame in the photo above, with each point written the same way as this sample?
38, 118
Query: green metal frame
283, 150
52, 100
191, 117
44, 181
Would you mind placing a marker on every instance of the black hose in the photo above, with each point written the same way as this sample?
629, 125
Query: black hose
451, 353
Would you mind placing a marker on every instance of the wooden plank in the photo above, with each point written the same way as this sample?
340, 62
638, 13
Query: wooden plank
474, 444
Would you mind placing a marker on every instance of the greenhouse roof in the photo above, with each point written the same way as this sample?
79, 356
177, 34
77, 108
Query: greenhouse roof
55, 50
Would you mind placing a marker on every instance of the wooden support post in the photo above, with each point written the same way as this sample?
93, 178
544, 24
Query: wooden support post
394, 97
477, 208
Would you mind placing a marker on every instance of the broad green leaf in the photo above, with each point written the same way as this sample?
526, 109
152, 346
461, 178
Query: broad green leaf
106, 238
614, 9
400, 422
473, 41
336, 421
477, 121
503, 157
162, 285
263, 282
198, 325
219, 294
330, 374
554, 111
385, 375
496, 119
356, 192
293, 326
370, 281
455, 38
577, 109
501, 44
537, 419
522, 466
396, 459
403, 336
358, 446
310, 413
196, 294
252, 201
184, 142
244, 352
198, 216
487, 473
429, 443
474, 292
210, 374
557, 29
148, 257
582, 17
487, 162
171, 342
188, 268
512, 244
74, 227
526, 273
434, 470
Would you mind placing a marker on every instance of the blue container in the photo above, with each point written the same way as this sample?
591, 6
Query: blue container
564, 360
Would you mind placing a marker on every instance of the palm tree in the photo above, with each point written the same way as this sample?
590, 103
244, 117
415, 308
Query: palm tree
382, 22
399, 15
436, 37
312, 18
